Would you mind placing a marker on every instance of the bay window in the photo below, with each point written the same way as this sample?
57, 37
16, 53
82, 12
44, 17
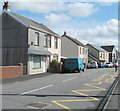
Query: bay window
36, 62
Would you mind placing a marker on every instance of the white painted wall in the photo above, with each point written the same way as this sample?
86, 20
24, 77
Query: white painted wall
83, 53
53, 50
104, 56
31, 34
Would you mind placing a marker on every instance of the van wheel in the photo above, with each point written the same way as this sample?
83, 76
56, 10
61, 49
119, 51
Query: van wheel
79, 70
83, 70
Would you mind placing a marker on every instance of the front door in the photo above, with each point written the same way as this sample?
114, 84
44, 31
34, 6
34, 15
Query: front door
44, 63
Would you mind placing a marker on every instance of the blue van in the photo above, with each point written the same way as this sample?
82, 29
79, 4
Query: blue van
74, 64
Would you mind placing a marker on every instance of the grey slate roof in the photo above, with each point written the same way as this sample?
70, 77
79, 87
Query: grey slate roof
32, 24
93, 56
38, 51
74, 40
97, 48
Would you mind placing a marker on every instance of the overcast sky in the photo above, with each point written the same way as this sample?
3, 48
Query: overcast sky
89, 22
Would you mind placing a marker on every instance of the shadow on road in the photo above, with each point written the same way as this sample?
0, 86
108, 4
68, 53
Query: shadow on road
37, 95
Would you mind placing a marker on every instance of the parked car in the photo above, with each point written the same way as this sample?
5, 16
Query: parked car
108, 65
92, 64
74, 64
101, 65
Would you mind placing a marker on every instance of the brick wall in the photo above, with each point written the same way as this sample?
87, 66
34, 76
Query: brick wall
7, 72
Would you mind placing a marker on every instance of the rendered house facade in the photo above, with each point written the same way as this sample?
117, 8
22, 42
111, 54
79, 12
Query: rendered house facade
113, 55
72, 48
28, 42
97, 54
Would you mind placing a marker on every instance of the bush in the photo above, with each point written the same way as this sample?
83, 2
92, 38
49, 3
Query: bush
54, 64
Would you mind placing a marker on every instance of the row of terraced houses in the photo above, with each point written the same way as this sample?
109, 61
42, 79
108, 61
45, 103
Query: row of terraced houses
35, 45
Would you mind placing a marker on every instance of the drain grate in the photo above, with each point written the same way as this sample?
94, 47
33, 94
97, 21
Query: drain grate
38, 105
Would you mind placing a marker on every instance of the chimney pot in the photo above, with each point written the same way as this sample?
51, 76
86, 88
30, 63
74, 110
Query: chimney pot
65, 33
6, 6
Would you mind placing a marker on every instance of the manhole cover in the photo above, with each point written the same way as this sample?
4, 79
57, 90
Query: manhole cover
38, 105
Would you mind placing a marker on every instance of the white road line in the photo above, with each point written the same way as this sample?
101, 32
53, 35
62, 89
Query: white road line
70, 74
68, 79
32, 107
36, 89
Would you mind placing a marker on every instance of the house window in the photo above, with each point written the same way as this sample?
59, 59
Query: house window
101, 55
55, 57
80, 50
36, 62
36, 39
55, 43
47, 41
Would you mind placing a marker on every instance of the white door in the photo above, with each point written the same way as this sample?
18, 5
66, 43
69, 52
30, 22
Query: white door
44, 63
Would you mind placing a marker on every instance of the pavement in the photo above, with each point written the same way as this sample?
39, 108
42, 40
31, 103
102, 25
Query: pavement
114, 100
24, 78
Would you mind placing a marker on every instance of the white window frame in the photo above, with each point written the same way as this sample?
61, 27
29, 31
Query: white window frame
36, 39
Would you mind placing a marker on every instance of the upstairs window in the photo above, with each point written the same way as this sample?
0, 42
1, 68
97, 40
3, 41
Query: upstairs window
80, 50
36, 39
55, 43
47, 41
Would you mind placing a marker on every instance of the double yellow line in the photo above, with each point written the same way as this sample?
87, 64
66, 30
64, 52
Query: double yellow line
58, 102
92, 85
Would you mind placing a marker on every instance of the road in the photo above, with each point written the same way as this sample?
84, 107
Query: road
59, 91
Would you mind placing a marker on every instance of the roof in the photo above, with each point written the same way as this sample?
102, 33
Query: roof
74, 40
32, 24
108, 48
97, 48
38, 51
90, 55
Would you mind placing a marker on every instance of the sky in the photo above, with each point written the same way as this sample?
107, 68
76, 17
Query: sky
88, 21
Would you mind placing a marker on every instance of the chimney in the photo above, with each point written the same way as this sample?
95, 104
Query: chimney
64, 33
6, 6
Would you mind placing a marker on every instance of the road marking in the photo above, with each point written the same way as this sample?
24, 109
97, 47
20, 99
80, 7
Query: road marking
68, 79
32, 107
93, 85
59, 104
70, 74
36, 89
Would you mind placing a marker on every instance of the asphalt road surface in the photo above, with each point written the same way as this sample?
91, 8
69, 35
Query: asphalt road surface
59, 91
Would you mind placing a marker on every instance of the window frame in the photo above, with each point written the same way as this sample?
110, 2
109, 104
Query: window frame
36, 43
47, 41
55, 57
34, 66
55, 43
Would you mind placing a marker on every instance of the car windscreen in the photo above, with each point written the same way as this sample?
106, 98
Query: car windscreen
71, 61
92, 62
